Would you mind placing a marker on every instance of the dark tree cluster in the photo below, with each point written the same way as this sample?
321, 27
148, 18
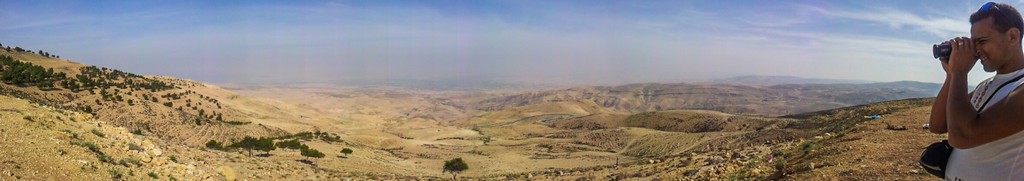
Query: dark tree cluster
304, 150
22, 50
93, 77
324, 136
291, 144
267, 145
309, 152
259, 144
23, 73
47, 54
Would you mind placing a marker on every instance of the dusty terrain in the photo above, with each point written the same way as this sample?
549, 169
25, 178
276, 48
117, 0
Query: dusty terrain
681, 144
43, 143
641, 131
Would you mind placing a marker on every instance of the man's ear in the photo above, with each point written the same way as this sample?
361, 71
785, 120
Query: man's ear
1014, 35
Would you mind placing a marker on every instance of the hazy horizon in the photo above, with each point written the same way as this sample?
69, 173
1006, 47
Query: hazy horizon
470, 42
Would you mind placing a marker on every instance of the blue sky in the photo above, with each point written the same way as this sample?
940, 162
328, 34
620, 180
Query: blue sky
542, 42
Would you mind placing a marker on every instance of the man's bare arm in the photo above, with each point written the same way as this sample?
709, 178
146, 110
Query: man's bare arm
937, 122
968, 128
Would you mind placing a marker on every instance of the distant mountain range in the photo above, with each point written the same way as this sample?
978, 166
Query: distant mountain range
770, 99
758, 80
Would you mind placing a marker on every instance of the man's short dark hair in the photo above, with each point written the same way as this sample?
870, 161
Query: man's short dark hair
1010, 19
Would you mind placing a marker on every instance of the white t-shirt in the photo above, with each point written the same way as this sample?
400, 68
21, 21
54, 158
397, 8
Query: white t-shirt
997, 160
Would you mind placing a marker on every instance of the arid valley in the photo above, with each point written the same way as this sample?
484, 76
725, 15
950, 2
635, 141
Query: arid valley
96, 123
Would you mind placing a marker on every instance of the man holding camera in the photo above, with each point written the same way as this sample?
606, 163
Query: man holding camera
985, 125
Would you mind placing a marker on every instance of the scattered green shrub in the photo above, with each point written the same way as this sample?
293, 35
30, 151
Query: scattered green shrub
98, 133
213, 144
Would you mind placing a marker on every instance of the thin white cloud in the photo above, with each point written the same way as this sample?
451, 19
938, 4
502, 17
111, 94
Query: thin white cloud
939, 26
850, 42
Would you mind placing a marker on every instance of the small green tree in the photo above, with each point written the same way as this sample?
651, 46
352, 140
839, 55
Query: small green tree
265, 145
346, 151
309, 152
290, 144
249, 143
455, 166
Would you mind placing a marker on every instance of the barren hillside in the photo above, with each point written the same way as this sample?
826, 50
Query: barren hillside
158, 106
837, 144
43, 143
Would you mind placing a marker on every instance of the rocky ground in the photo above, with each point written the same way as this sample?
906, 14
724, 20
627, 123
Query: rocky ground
42, 143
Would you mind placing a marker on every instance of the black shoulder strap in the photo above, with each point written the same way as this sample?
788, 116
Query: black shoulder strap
997, 91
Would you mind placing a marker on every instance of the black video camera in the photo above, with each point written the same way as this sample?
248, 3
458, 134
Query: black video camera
941, 51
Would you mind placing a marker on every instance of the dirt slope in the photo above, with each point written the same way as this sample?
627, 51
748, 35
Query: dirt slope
175, 110
837, 144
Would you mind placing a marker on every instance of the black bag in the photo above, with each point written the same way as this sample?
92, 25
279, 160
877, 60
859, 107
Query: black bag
935, 157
